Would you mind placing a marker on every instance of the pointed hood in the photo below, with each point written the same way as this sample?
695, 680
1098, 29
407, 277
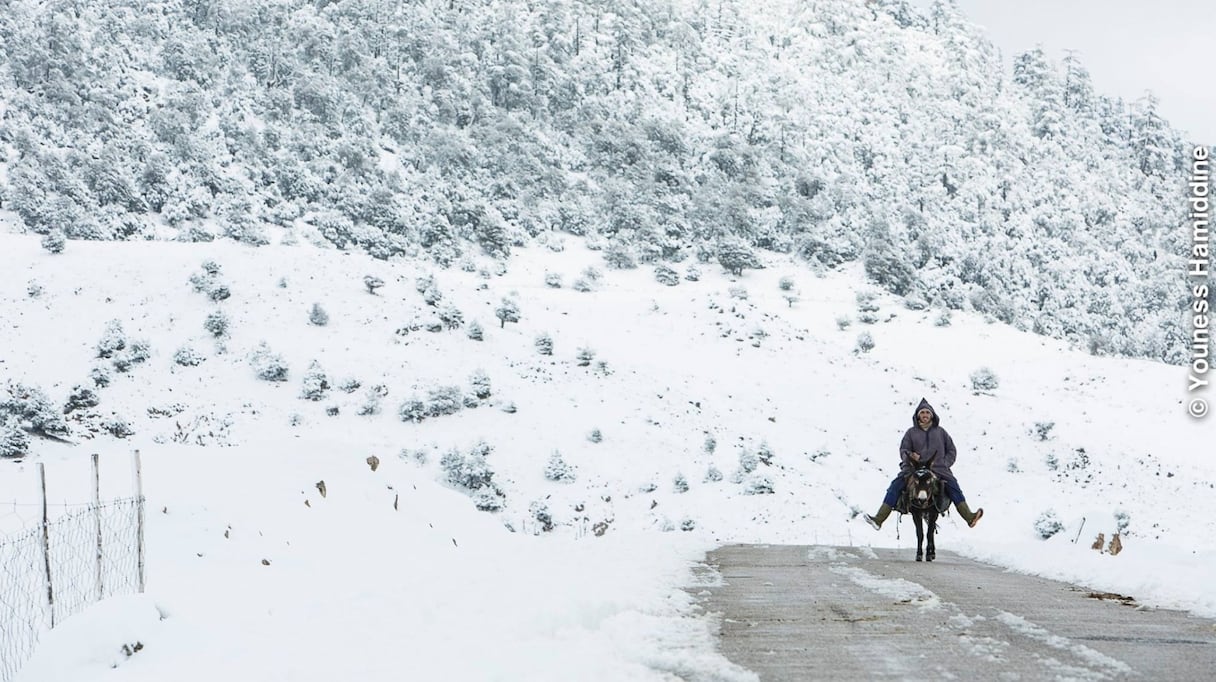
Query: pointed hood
924, 404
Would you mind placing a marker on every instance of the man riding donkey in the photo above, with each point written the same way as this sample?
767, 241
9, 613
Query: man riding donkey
925, 444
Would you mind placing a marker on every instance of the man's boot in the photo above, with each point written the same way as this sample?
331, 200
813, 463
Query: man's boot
965, 512
876, 521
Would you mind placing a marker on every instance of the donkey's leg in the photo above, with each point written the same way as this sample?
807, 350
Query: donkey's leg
920, 533
931, 551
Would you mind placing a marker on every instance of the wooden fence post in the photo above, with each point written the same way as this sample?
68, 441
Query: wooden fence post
139, 518
46, 547
101, 589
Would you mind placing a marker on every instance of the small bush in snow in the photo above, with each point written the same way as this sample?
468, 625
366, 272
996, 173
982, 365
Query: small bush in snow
866, 302
581, 285
688, 525
554, 280
713, 475
692, 274
663, 274
470, 471
216, 323
372, 283
592, 274
474, 331
1122, 520
443, 400
596, 436
424, 283
451, 317
81, 398
711, 443
544, 344
432, 296
54, 241
118, 427
349, 385
186, 356
34, 289
211, 268
370, 406
843, 322
943, 320
113, 340
1043, 429
558, 470
100, 376
1047, 524
13, 441
758, 485
318, 316
315, 383
738, 292
21, 403
507, 311
983, 379
540, 511
786, 283
267, 365
765, 454
1052, 462
1013, 467
489, 499
480, 384
680, 484
865, 343
584, 356
748, 461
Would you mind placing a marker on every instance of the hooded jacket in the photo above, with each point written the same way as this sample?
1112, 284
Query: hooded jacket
933, 445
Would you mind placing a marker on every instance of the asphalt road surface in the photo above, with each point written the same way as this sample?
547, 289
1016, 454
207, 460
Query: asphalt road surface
852, 613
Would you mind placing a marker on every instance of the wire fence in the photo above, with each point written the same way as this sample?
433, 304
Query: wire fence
57, 568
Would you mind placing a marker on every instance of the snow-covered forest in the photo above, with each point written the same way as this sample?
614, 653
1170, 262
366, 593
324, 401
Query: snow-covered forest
668, 130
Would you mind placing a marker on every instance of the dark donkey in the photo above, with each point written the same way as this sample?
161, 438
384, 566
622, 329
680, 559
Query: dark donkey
925, 501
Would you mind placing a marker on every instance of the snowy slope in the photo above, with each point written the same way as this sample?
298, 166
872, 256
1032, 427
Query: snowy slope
434, 588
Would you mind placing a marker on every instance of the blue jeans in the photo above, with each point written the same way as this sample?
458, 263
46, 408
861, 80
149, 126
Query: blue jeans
954, 492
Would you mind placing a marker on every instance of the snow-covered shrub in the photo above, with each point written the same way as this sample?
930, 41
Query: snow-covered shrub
443, 400
318, 316
866, 302
450, 316
474, 331
765, 454
786, 283
596, 436
33, 289
758, 484
316, 383
1012, 466
490, 499
480, 384
432, 296
581, 285
680, 484
29, 405
843, 322
372, 283
748, 461
540, 512
584, 356
739, 293
54, 241
553, 280
100, 376
370, 406
113, 339
1048, 524
1043, 429
983, 379
507, 311
713, 474
558, 470
469, 471
692, 274
544, 344
711, 443
13, 441
349, 385
118, 427
592, 274
80, 398
865, 343
664, 274
943, 320
1122, 521
186, 356
268, 365
216, 323
619, 257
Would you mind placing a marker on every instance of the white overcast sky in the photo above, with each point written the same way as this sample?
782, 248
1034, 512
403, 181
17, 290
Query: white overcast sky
1129, 47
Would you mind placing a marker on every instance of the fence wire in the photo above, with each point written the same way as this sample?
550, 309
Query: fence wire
92, 552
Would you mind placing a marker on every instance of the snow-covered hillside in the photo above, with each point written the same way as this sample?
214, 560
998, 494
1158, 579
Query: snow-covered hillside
394, 572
